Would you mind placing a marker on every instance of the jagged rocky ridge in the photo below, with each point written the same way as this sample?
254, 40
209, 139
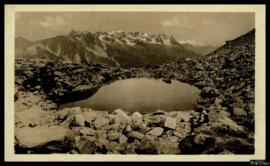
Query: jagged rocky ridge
223, 122
122, 49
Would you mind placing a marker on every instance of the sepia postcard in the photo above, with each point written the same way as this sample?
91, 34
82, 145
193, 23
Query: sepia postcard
134, 82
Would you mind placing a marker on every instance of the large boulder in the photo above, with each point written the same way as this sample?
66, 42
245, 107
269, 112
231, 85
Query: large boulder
169, 145
228, 126
115, 148
78, 120
182, 129
136, 116
31, 117
87, 132
44, 139
123, 139
148, 147
63, 115
120, 117
170, 123
156, 120
223, 124
137, 120
84, 146
196, 144
100, 122
114, 136
137, 135
251, 107
239, 112
90, 115
185, 116
157, 131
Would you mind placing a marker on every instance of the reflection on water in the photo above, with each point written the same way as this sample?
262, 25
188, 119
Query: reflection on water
142, 95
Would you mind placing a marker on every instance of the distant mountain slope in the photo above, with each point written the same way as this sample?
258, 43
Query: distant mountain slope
131, 49
199, 49
21, 45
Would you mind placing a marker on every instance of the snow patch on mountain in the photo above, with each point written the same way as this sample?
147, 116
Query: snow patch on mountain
194, 43
125, 38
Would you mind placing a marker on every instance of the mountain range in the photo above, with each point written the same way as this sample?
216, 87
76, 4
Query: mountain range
117, 48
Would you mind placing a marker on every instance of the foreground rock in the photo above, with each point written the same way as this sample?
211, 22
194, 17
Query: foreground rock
69, 132
170, 123
44, 139
34, 116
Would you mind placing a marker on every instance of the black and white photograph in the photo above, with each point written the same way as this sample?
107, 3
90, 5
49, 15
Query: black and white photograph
144, 83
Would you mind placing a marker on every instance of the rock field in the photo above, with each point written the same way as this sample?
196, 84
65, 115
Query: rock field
222, 123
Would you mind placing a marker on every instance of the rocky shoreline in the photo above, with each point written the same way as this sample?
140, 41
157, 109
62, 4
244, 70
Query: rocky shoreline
223, 122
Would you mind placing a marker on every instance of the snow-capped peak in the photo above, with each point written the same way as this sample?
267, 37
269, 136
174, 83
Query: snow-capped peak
191, 42
121, 37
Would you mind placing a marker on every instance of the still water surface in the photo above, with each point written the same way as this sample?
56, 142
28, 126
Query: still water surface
142, 95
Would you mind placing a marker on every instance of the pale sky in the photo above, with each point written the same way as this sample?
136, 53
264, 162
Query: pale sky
208, 28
